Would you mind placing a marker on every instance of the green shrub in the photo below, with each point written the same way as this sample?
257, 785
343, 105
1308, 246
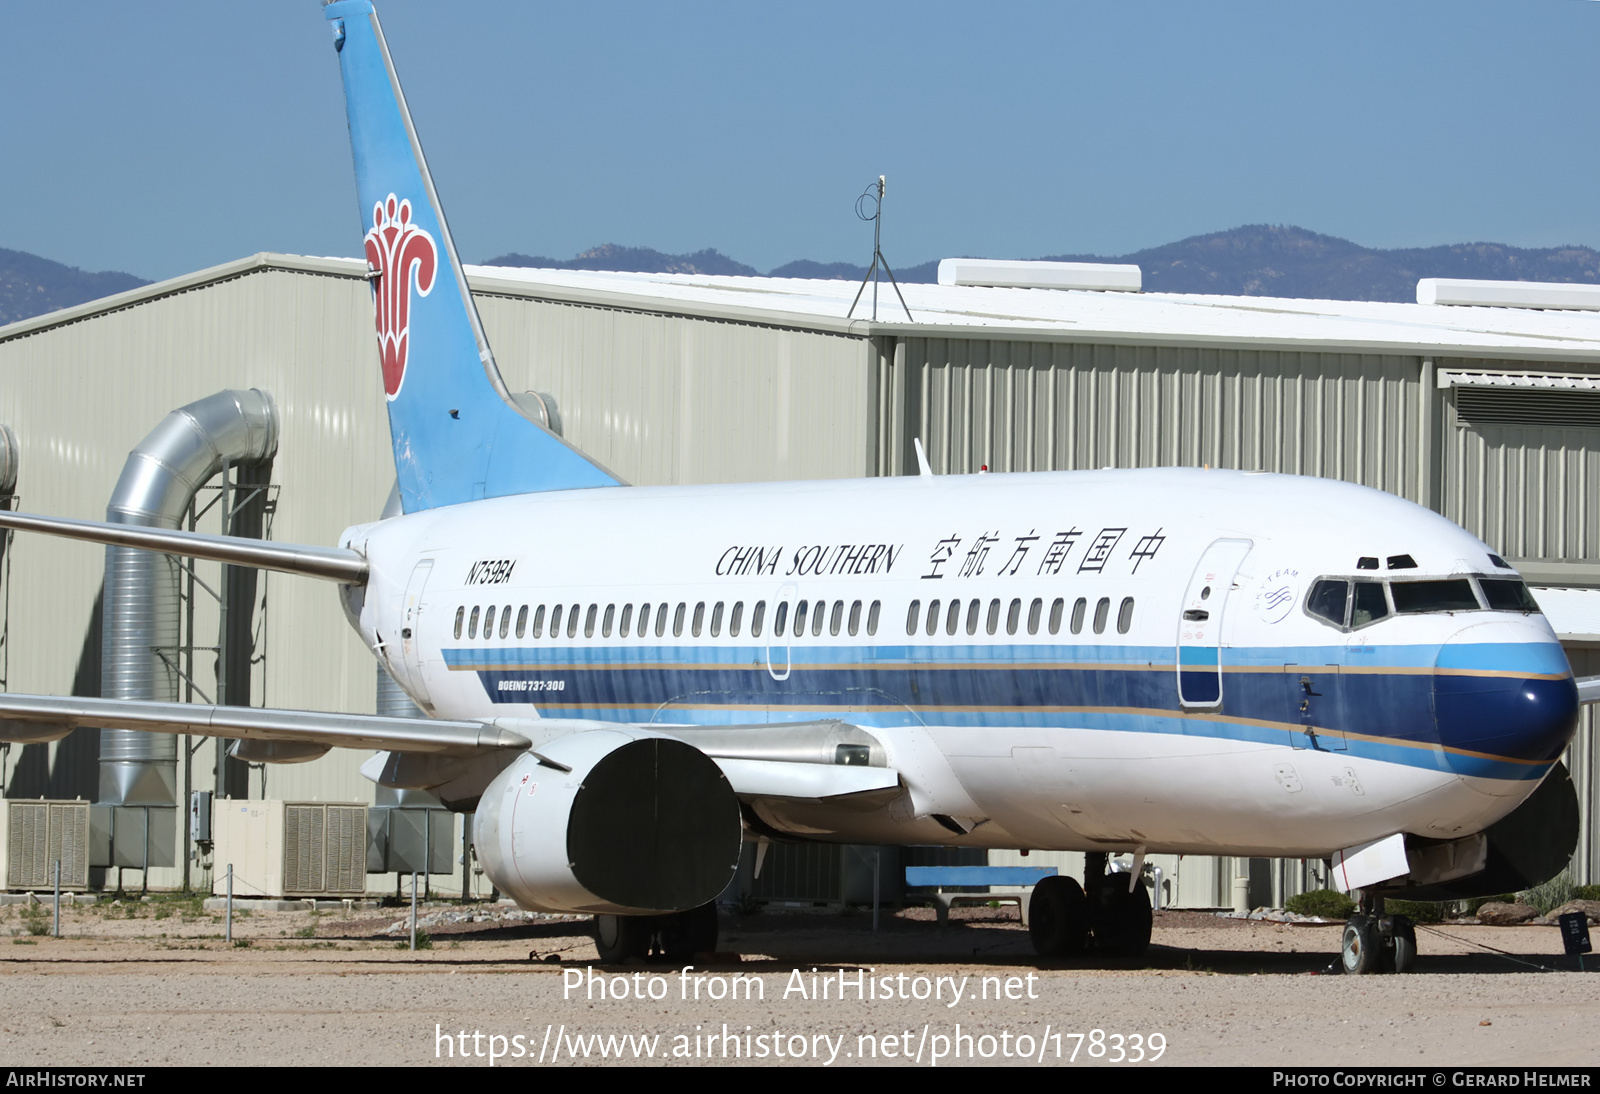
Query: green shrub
424, 942
1587, 892
1322, 902
1552, 894
1418, 911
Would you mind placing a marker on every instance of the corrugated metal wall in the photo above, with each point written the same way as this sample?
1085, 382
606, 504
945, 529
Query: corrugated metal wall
1031, 406
669, 399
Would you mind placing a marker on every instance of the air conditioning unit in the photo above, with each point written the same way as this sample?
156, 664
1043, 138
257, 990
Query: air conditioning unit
290, 849
38, 834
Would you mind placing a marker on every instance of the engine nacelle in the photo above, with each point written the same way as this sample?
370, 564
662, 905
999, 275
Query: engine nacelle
637, 825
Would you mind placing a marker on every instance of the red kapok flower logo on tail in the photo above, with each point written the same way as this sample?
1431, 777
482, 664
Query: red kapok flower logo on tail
401, 254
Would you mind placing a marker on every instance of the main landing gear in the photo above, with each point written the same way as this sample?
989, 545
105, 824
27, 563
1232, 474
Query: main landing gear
674, 938
1066, 919
1377, 942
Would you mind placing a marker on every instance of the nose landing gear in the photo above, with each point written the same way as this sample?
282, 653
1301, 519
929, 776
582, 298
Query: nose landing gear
1377, 942
1065, 918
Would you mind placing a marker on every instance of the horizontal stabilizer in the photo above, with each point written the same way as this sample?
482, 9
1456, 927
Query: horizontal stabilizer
329, 563
25, 713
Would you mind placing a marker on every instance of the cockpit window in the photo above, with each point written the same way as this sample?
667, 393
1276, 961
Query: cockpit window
1505, 594
1454, 595
1327, 600
1368, 605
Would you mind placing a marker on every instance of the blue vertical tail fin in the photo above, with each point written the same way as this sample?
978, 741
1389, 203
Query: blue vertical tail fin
457, 435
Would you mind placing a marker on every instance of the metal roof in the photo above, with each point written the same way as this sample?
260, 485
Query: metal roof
983, 312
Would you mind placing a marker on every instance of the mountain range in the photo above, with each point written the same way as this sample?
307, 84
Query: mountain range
1254, 260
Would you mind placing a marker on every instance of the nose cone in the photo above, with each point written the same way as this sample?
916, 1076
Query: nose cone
1503, 693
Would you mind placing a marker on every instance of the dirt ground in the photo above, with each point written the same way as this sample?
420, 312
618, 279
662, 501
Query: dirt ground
155, 983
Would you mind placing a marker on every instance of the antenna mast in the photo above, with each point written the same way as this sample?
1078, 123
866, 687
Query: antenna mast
874, 194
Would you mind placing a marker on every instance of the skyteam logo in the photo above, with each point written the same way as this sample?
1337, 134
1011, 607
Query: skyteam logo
401, 254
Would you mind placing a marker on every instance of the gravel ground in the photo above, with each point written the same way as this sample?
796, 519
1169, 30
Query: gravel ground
156, 984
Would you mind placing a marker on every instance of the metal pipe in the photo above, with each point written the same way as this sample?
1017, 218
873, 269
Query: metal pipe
138, 660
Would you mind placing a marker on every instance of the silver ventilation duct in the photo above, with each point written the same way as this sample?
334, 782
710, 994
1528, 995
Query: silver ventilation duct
139, 653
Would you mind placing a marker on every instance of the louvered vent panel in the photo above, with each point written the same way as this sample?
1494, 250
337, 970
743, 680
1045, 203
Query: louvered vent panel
1511, 406
303, 852
29, 846
69, 841
347, 849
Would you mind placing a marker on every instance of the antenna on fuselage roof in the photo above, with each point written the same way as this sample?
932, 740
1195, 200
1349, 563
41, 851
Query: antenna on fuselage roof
923, 469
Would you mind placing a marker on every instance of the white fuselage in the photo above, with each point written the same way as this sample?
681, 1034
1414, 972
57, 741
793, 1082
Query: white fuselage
1071, 660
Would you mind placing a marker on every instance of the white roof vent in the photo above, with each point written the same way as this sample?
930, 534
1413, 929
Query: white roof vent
1004, 274
1508, 294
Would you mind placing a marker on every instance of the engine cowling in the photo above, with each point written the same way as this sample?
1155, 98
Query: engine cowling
636, 825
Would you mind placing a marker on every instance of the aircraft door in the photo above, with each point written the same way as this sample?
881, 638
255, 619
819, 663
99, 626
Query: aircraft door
778, 626
1200, 624
410, 633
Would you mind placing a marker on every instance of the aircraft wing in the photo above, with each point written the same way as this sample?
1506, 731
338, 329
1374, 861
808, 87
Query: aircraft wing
1588, 689
49, 717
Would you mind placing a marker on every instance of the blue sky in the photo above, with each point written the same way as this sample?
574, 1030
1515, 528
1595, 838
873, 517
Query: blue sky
162, 137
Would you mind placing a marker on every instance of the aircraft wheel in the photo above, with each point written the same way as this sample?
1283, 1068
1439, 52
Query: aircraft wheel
1058, 917
1405, 944
619, 937
1363, 950
1125, 930
685, 934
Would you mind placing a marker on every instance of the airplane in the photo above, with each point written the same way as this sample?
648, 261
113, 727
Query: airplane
628, 683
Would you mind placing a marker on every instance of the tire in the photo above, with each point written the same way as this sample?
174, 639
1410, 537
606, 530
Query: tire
621, 937
1362, 950
1058, 918
1405, 944
686, 934
1125, 928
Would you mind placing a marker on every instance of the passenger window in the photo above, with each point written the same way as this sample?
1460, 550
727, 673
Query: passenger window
699, 620
555, 621
1013, 617
461, 615
1125, 616
1101, 611
677, 619
627, 619
716, 620
912, 613
780, 617
661, 620
1035, 612
994, 616
606, 620
933, 615
1327, 600
736, 618
1369, 604
588, 621
855, 619
872, 618
505, 621
799, 619
757, 614
538, 622
1056, 610
819, 611
1077, 615
522, 621
974, 608
572, 620
488, 623
472, 624
644, 621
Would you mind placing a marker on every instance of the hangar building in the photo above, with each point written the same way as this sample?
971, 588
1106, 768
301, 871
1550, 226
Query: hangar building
1488, 414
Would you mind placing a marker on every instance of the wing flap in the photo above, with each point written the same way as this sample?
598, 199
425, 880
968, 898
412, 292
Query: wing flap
40, 712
